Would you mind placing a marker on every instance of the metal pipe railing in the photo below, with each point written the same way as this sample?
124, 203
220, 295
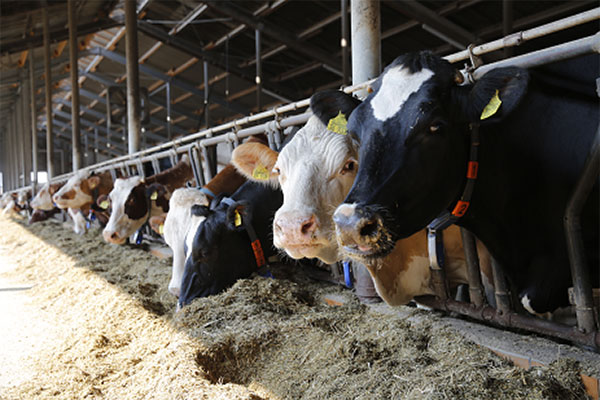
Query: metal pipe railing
587, 319
517, 38
474, 277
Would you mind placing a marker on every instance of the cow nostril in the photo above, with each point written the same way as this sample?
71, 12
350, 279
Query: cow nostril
114, 235
369, 229
308, 227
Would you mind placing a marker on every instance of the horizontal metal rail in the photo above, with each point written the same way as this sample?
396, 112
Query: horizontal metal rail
514, 320
517, 38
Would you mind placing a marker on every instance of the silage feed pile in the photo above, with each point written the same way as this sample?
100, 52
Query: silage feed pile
262, 339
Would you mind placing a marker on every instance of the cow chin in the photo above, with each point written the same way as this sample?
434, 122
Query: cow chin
368, 254
328, 255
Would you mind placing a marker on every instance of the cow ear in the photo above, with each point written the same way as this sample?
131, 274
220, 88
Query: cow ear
155, 191
238, 215
93, 182
327, 104
496, 94
256, 161
103, 202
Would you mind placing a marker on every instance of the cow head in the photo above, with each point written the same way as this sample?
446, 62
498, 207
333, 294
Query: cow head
43, 198
177, 224
131, 201
414, 138
23, 198
315, 171
77, 191
211, 267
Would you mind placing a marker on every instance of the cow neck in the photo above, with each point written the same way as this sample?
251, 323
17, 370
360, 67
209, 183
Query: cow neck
257, 249
447, 218
173, 177
435, 241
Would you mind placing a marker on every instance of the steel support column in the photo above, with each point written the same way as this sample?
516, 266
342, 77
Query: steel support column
344, 44
258, 78
19, 148
206, 96
168, 94
211, 152
34, 142
76, 130
49, 144
366, 44
133, 76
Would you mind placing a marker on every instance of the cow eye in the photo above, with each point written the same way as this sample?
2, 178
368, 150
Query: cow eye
276, 171
349, 166
436, 127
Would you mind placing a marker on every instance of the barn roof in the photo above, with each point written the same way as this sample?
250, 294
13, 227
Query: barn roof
300, 43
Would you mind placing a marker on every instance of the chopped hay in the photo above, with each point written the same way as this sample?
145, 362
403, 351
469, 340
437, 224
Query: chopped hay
262, 339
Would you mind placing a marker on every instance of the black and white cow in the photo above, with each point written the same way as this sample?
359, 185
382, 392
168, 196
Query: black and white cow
222, 250
415, 148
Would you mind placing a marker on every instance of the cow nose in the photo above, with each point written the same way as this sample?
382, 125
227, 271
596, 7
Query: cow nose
296, 228
357, 227
111, 237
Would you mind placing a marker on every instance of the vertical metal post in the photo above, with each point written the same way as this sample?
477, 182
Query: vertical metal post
96, 148
344, 44
76, 131
24, 130
86, 160
366, 41
133, 83
507, 23
211, 152
34, 145
584, 304
258, 71
168, 91
206, 96
20, 148
473, 271
500, 288
11, 153
49, 143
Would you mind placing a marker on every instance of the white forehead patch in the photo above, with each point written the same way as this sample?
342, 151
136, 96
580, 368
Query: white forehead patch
396, 86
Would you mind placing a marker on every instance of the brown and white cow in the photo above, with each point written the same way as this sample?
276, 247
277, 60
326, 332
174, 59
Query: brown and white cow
8, 203
79, 193
135, 200
43, 198
42, 205
315, 171
179, 221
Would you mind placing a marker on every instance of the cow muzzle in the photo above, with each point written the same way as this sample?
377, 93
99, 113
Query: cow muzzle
359, 231
113, 237
294, 229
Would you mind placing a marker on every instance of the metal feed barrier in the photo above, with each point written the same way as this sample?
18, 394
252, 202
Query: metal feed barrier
587, 332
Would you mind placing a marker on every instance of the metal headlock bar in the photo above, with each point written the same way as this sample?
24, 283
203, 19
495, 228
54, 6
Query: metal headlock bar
587, 333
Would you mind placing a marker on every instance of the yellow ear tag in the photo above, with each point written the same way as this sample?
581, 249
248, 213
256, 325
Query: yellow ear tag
238, 219
260, 173
492, 106
161, 229
104, 204
338, 124
154, 196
